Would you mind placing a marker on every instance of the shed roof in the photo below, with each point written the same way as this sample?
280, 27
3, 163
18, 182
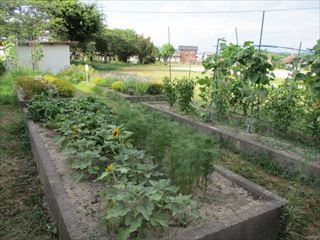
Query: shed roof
28, 43
188, 48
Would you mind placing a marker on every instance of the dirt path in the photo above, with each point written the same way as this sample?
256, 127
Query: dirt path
23, 208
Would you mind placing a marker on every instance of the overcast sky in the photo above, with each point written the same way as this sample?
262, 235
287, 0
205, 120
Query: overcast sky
281, 28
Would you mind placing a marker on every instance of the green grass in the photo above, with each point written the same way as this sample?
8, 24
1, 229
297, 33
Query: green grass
23, 211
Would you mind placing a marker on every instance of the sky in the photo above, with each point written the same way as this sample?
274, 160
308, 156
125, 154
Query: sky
280, 28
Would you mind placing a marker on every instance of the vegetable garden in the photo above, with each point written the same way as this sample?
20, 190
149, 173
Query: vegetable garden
157, 172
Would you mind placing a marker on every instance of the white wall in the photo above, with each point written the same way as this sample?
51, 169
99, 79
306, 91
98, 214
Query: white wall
55, 57
24, 56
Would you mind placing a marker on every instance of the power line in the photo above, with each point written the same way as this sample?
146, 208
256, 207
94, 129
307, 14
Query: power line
212, 12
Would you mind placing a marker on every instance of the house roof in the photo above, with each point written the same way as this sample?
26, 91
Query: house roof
188, 48
28, 43
287, 59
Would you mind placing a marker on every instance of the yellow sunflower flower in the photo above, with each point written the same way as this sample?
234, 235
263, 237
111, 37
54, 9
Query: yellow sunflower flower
115, 133
108, 168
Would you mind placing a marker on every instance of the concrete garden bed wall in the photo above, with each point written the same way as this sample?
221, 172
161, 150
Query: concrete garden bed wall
144, 98
20, 97
259, 223
286, 160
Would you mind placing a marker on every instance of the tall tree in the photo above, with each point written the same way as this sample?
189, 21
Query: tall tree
146, 50
75, 21
25, 19
167, 50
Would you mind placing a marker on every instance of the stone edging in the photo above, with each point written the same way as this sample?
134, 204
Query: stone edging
144, 98
61, 209
248, 146
21, 101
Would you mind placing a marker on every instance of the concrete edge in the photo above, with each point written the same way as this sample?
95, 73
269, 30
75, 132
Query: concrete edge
61, 209
253, 188
144, 98
263, 222
21, 101
245, 145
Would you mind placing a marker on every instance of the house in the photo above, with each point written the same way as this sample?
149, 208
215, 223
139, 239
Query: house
55, 55
188, 54
175, 57
288, 59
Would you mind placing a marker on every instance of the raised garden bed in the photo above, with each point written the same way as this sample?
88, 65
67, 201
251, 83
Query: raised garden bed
21, 99
242, 209
244, 144
144, 98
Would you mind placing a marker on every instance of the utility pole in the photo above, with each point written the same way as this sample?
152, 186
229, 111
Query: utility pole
300, 49
169, 56
237, 36
217, 48
261, 31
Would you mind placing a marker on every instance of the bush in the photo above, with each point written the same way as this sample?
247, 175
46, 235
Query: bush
2, 66
32, 86
116, 86
64, 88
99, 81
155, 88
48, 85
75, 73
185, 91
169, 87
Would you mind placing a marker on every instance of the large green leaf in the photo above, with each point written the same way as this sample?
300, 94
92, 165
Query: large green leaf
146, 210
159, 219
117, 210
123, 233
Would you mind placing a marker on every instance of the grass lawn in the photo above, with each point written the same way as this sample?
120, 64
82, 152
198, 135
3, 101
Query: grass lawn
23, 208
150, 72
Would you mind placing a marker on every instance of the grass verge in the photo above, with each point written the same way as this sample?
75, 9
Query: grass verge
23, 209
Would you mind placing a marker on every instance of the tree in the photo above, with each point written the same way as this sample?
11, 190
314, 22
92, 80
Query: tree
167, 51
71, 20
122, 43
147, 52
27, 20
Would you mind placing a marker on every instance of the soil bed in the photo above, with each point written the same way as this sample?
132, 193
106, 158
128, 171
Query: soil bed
227, 201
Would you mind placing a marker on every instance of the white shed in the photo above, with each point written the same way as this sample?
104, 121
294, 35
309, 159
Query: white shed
56, 56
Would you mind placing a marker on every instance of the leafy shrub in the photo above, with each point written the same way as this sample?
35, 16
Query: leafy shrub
99, 81
185, 91
155, 88
32, 86
116, 86
47, 85
169, 87
64, 88
75, 73
137, 207
2, 66
283, 104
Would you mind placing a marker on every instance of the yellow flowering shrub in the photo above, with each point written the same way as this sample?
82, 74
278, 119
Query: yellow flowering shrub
31, 86
116, 85
64, 88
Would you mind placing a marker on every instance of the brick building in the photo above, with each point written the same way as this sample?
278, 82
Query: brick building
187, 54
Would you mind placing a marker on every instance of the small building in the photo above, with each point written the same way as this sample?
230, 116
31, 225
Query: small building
188, 54
287, 60
55, 55
175, 57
